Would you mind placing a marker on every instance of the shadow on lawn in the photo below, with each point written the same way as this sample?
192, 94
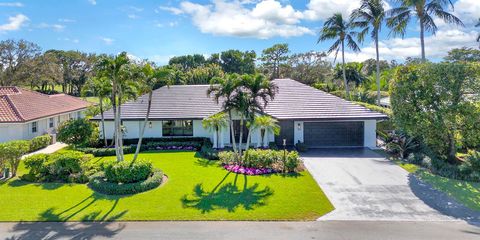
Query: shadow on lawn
54, 224
227, 196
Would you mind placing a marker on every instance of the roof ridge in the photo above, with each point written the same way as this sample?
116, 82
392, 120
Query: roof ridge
14, 108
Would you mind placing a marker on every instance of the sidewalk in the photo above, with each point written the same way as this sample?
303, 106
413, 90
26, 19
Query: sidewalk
49, 149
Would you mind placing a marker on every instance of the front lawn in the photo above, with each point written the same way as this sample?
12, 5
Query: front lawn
196, 190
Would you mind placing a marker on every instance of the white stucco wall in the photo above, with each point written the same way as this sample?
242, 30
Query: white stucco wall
23, 131
370, 134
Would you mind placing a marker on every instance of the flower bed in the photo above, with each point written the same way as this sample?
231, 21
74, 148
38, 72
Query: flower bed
174, 148
248, 170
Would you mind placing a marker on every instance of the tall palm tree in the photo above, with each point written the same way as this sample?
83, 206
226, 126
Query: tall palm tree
116, 70
215, 123
424, 11
100, 87
259, 92
266, 124
152, 77
224, 90
369, 17
340, 31
478, 25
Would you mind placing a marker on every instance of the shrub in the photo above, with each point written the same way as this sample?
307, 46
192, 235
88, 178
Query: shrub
65, 166
272, 145
128, 172
173, 145
301, 147
227, 157
209, 153
12, 152
100, 184
40, 142
292, 162
402, 145
79, 132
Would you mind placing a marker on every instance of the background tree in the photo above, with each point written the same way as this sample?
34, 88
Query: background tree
370, 65
309, 67
424, 11
214, 123
463, 55
45, 73
432, 102
273, 57
235, 61
353, 73
188, 62
369, 17
14, 56
337, 29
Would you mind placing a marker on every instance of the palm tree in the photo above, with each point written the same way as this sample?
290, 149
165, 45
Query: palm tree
370, 16
215, 123
116, 70
338, 29
224, 90
266, 124
259, 91
152, 77
100, 87
424, 10
478, 25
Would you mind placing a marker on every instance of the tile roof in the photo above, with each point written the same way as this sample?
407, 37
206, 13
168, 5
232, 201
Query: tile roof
294, 100
22, 105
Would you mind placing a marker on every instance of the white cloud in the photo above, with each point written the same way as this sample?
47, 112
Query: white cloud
435, 46
107, 40
74, 40
467, 10
93, 2
14, 23
56, 27
323, 9
173, 10
132, 16
66, 20
267, 19
11, 4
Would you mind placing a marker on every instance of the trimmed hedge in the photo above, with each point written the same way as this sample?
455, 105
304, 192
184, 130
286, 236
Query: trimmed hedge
128, 172
103, 152
277, 160
166, 139
99, 184
377, 108
194, 144
40, 142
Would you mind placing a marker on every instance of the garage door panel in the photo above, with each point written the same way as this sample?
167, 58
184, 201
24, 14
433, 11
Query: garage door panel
334, 134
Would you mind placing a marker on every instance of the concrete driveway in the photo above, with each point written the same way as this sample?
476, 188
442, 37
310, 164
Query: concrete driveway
363, 185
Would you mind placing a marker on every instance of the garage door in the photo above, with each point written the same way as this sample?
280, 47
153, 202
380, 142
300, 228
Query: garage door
333, 134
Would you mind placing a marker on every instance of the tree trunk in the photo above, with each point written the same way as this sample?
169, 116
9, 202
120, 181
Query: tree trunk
378, 69
422, 40
452, 149
240, 140
103, 121
143, 127
120, 135
262, 135
217, 130
115, 118
232, 132
344, 73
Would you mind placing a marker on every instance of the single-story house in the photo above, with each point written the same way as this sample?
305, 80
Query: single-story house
304, 114
25, 114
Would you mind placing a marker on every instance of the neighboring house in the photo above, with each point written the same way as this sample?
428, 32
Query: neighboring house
305, 114
25, 114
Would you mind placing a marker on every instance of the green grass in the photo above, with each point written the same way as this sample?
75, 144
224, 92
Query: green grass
196, 190
467, 193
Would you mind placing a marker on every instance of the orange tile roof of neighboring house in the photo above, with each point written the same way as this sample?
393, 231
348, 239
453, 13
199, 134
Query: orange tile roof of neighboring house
22, 105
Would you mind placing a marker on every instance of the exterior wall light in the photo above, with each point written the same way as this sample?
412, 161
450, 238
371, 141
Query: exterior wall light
299, 126
149, 124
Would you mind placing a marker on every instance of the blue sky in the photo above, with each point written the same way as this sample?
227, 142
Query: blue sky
158, 30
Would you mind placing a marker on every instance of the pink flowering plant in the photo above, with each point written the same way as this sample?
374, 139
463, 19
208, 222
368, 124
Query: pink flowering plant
260, 161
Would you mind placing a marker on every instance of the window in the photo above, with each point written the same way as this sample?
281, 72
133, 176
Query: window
34, 127
51, 123
177, 128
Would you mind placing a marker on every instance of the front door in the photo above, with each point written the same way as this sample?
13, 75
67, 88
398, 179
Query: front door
236, 128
